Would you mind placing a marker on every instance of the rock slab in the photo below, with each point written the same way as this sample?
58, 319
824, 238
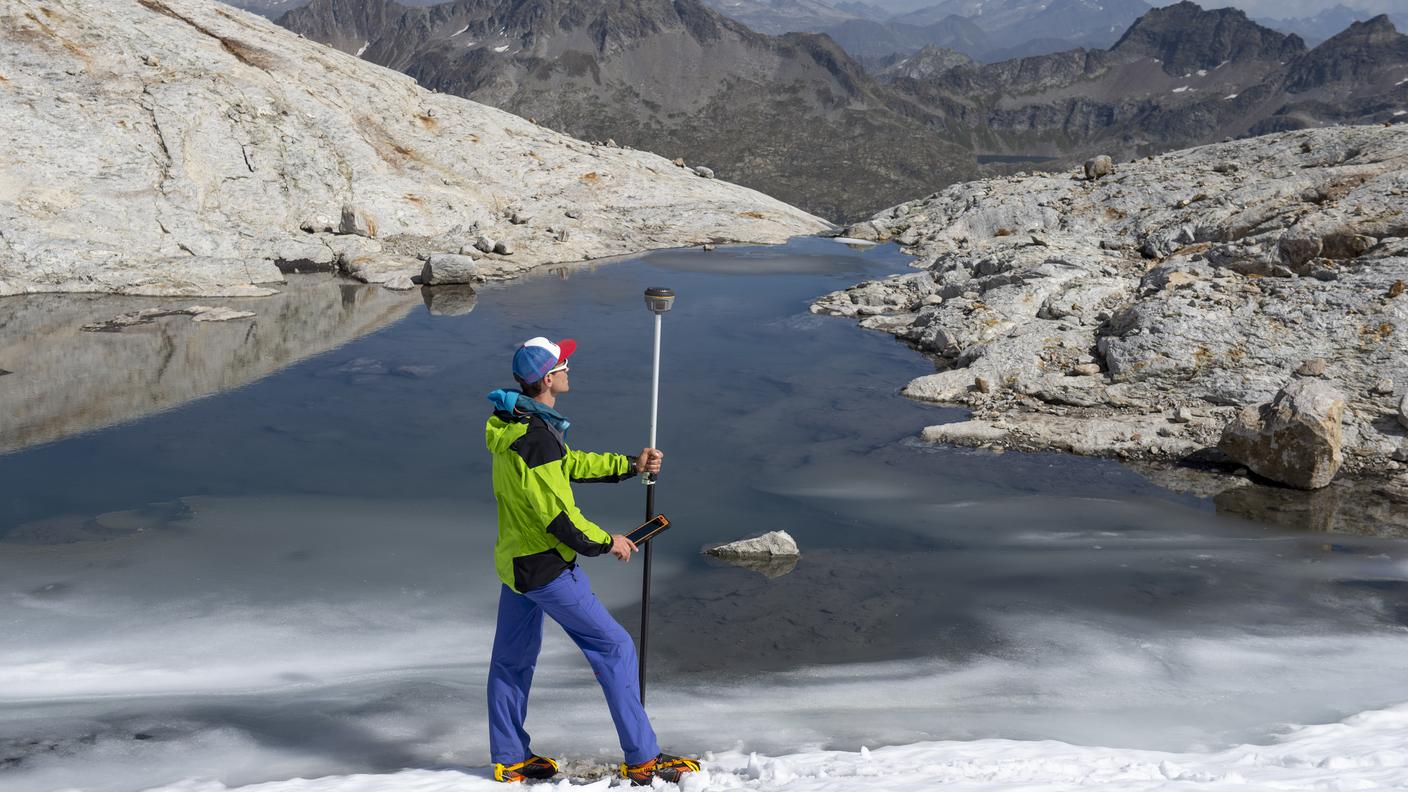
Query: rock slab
1294, 439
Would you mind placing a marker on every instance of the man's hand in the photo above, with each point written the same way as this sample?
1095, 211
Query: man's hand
648, 461
622, 547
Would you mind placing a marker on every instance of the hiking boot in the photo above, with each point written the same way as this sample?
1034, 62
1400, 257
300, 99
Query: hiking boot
534, 768
665, 767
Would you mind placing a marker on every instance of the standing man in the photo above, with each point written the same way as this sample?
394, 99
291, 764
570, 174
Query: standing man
541, 533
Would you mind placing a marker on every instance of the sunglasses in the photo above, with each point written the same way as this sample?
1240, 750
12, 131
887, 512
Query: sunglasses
562, 368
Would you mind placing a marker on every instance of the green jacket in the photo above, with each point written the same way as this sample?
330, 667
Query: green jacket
541, 530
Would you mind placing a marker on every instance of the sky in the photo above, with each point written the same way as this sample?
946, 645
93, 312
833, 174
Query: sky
1276, 9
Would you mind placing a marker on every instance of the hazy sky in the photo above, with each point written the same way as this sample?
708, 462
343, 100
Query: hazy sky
1276, 9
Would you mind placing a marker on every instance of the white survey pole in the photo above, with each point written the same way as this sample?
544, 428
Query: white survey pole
658, 300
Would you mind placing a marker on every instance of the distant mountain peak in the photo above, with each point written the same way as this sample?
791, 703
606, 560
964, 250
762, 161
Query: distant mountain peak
1185, 37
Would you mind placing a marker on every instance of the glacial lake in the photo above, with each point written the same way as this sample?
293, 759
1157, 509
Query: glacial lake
291, 574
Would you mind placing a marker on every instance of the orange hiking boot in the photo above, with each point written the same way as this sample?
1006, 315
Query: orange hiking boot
534, 768
665, 767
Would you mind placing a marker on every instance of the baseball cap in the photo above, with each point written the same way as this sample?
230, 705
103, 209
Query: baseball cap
537, 356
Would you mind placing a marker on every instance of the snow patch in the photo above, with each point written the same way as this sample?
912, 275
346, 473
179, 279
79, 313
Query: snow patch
365, 45
458, 32
503, 48
1361, 752
1202, 72
1229, 96
1400, 112
1181, 89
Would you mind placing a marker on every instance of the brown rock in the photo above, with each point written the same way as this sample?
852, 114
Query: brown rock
1395, 290
1293, 439
1315, 367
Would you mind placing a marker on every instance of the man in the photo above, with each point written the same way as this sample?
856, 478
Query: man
541, 533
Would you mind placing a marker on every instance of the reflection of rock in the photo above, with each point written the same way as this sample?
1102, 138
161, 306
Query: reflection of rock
449, 300
71, 381
1293, 439
198, 313
767, 566
773, 554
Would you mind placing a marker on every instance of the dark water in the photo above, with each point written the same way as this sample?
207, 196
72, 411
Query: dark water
295, 578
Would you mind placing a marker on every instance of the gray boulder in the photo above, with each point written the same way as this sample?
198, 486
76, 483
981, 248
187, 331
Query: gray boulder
504, 248
484, 244
1293, 439
1097, 167
707, 173
1403, 411
775, 543
447, 268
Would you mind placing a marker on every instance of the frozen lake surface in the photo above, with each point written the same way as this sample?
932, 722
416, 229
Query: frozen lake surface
293, 578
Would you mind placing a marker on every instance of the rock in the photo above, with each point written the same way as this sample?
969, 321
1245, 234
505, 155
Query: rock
1294, 439
236, 142
1314, 367
1181, 415
484, 244
448, 268
573, 213
1395, 290
357, 221
982, 384
1383, 387
773, 543
679, 162
1403, 411
449, 300
503, 248
1086, 369
707, 173
1098, 167
706, 247
1218, 318
1400, 454
393, 272
520, 218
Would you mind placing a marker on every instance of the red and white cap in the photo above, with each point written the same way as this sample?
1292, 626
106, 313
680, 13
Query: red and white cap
537, 356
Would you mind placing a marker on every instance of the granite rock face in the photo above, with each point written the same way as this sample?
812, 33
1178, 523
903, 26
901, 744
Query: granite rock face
1199, 280
1293, 439
182, 147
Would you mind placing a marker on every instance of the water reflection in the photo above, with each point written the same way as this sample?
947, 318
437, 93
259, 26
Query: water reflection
61, 381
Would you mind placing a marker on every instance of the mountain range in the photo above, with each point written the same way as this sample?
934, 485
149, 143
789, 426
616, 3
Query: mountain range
797, 117
793, 116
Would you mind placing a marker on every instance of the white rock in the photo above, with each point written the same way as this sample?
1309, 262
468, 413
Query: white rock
774, 543
448, 268
1294, 439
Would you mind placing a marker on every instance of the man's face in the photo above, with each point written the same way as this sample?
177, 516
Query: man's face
556, 381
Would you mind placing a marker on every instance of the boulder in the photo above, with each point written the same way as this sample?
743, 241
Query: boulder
1097, 167
1294, 439
447, 268
707, 173
1403, 411
484, 244
503, 248
774, 543
1314, 367
357, 221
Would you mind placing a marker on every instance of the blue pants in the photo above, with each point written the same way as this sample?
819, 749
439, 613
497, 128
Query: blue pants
570, 602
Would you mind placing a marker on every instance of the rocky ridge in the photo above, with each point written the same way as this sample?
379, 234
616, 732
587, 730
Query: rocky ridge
1133, 314
182, 147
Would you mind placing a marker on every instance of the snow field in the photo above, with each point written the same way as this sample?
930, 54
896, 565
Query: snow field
1366, 751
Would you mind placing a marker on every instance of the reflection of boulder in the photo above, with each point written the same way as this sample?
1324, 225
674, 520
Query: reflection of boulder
773, 554
449, 300
72, 528
1344, 507
768, 566
68, 381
